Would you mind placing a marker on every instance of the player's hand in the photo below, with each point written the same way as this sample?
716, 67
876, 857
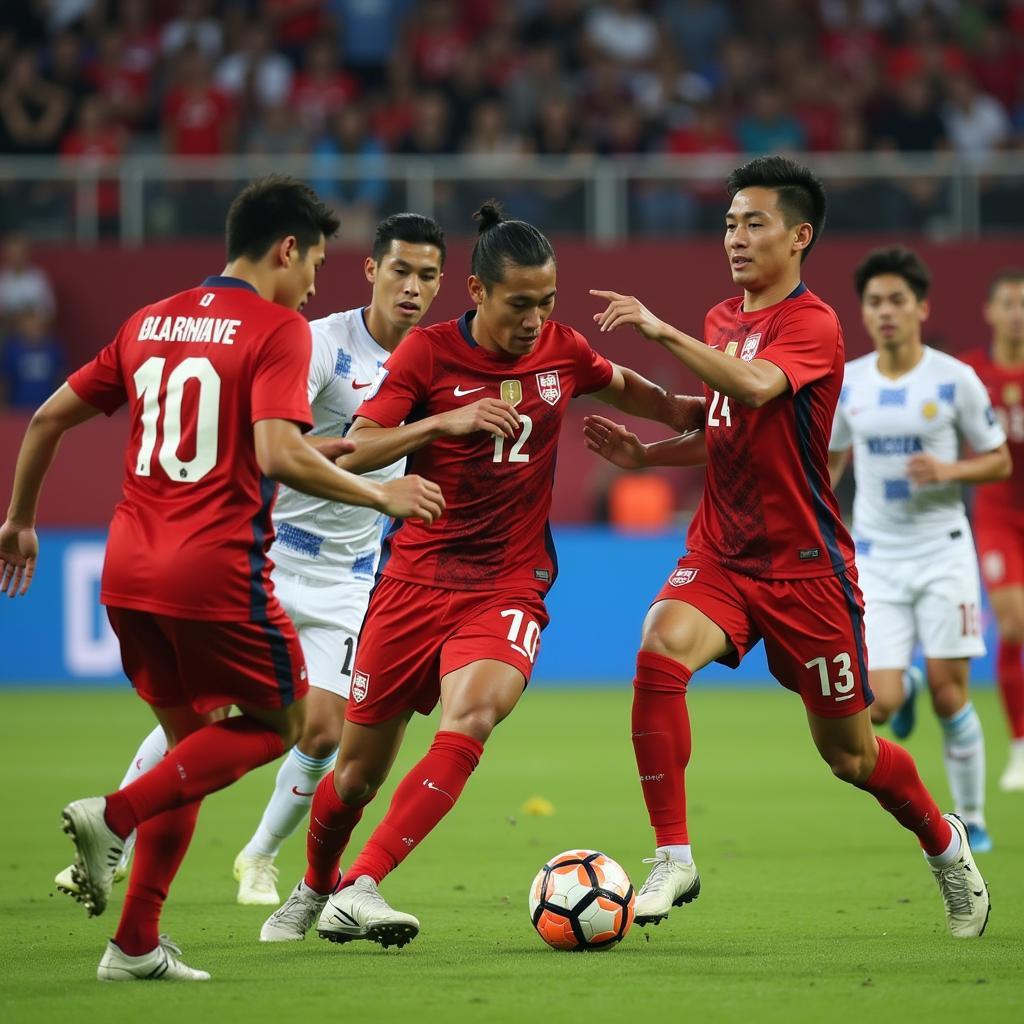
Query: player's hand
686, 413
489, 414
612, 441
331, 447
412, 497
623, 310
926, 469
19, 548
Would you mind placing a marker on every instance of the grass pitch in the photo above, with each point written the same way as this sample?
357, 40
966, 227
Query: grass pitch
815, 906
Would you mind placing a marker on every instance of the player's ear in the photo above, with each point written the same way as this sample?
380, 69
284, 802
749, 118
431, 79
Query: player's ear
477, 289
370, 269
924, 310
287, 250
802, 237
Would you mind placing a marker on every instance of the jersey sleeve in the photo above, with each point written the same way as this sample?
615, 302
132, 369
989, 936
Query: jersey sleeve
281, 377
321, 361
100, 382
402, 383
975, 417
593, 371
804, 346
842, 434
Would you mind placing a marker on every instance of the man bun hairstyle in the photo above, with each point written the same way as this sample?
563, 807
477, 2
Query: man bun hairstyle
502, 243
896, 260
801, 194
272, 208
407, 227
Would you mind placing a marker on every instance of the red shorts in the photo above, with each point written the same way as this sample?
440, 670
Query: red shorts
207, 665
414, 635
813, 630
1000, 552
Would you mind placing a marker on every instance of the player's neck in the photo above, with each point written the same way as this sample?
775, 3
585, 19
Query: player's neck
895, 362
385, 333
771, 294
1007, 353
251, 273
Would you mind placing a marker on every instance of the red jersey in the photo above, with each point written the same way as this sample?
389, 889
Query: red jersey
190, 538
768, 509
494, 531
1003, 499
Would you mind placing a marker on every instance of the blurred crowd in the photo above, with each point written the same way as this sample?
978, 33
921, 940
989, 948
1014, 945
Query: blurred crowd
493, 79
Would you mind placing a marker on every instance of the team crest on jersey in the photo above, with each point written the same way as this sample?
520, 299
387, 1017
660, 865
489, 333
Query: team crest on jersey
750, 343
549, 387
1011, 393
511, 391
930, 410
682, 576
360, 685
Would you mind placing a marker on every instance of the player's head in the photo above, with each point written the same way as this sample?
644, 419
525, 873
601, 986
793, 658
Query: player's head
512, 280
893, 287
405, 267
280, 224
1004, 310
776, 216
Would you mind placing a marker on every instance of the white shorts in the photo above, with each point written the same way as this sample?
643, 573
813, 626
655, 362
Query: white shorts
328, 617
934, 600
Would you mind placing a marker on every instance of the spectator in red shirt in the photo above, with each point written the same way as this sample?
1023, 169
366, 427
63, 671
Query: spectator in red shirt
96, 140
321, 89
439, 42
197, 118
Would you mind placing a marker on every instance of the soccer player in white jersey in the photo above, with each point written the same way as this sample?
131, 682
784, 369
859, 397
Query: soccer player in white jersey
325, 555
904, 410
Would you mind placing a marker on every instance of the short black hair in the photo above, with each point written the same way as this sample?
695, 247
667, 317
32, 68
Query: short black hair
271, 208
1010, 275
502, 243
896, 260
407, 227
801, 194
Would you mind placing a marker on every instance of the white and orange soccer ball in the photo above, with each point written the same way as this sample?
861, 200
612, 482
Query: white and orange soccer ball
581, 900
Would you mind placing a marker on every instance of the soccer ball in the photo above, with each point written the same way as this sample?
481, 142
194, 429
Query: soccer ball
580, 900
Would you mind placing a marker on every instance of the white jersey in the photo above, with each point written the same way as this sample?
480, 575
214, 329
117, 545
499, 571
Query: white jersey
316, 538
887, 421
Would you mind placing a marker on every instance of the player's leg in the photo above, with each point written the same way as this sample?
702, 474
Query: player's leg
1008, 608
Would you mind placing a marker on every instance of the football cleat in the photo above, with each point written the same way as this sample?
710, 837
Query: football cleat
964, 892
65, 882
291, 920
257, 880
1012, 779
360, 912
97, 853
981, 841
160, 964
902, 722
671, 883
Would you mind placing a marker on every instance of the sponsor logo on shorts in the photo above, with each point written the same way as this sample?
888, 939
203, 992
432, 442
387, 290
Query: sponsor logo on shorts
549, 387
682, 576
808, 553
541, 574
360, 685
993, 566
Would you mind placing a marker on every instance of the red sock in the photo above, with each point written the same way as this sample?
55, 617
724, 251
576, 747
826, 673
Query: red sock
422, 799
1010, 673
896, 785
330, 827
161, 845
661, 742
203, 762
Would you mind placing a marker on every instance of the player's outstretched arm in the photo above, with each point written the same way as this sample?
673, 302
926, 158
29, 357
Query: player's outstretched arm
378, 446
18, 544
751, 383
632, 393
621, 447
986, 468
837, 463
284, 456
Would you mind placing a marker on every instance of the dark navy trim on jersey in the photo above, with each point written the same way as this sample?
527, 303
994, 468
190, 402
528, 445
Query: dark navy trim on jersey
220, 281
464, 330
796, 292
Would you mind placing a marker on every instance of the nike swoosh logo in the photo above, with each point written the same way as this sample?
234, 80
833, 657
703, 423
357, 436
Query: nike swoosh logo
298, 792
357, 385
460, 393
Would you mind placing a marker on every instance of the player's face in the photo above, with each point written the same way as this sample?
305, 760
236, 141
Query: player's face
1005, 312
759, 244
892, 313
405, 281
297, 285
511, 314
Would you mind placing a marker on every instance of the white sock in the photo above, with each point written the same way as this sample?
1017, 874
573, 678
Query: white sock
1017, 747
297, 779
151, 752
908, 686
963, 749
949, 854
681, 853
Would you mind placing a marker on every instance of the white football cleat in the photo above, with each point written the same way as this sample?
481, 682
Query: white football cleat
160, 964
964, 892
65, 882
360, 912
257, 880
97, 853
291, 920
1012, 779
671, 883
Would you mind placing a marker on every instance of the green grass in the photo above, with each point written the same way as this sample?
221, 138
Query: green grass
815, 904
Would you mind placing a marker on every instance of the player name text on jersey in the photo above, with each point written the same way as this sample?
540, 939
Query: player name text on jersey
189, 328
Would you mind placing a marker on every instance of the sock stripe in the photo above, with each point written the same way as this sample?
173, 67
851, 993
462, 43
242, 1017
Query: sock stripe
312, 764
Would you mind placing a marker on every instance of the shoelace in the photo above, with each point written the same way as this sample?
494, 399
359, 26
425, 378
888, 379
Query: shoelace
169, 946
264, 874
956, 892
296, 911
658, 872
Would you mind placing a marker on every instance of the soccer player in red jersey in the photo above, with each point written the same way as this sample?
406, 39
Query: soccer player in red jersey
999, 508
215, 378
767, 556
457, 614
